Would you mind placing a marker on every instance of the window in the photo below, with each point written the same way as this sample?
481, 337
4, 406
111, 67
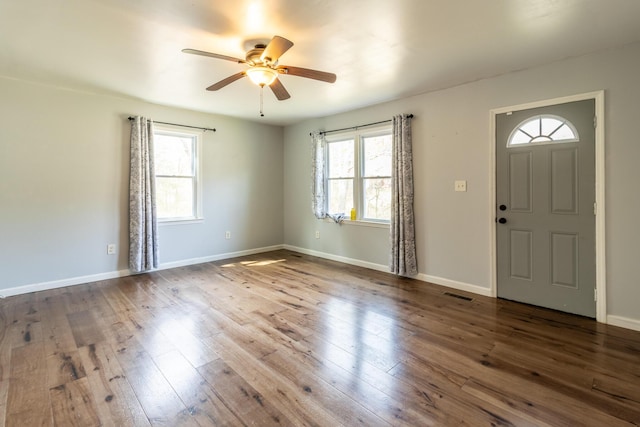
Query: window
176, 155
543, 129
359, 174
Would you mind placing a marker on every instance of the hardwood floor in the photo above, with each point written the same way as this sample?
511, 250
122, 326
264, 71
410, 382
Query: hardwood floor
283, 339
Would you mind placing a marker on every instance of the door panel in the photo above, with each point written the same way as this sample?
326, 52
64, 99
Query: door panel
520, 181
564, 181
564, 259
521, 254
546, 236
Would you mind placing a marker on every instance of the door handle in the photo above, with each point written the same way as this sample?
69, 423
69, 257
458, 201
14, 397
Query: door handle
502, 220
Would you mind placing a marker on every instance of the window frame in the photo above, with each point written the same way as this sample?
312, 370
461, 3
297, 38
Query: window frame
358, 136
550, 139
196, 136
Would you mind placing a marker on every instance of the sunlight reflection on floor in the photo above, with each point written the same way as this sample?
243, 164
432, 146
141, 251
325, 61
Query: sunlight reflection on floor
255, 263
357, 343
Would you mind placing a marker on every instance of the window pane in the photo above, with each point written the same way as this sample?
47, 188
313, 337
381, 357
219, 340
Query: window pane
549, 124
543, 130
520, 138
173, 154
564, 132
174, 197
340, 198
341, 159
377, 155
377, 198
532, 127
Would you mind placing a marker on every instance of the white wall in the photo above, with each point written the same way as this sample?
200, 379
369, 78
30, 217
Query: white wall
64, 185
452, 140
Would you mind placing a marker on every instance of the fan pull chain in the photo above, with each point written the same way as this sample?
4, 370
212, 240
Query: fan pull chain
261, 99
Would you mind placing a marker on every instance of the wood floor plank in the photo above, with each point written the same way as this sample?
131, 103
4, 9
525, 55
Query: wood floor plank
28, 396
198, 352
64, 367
240, 397
443, 389
85, 328
549, 394
24, 333
160, 402
282, 338
286, 397
344, 407
622, 389
202, 401
115, 401
72, 404
5, 359
541, 406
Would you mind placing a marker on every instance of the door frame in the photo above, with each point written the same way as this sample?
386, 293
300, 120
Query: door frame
601, 276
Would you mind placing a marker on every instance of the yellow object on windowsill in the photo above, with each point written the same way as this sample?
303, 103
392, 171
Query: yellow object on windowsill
353, 214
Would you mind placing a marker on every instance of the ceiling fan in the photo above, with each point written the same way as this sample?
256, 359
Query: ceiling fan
263, 67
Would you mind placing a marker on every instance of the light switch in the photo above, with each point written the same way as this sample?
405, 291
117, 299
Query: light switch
460, 185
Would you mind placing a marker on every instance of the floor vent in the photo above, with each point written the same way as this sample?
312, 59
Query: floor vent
449, 294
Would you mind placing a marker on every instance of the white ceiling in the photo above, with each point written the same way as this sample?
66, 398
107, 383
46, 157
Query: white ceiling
379, 49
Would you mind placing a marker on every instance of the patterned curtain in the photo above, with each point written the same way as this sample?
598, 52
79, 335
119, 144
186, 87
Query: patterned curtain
318, 144
403, 243
143, 234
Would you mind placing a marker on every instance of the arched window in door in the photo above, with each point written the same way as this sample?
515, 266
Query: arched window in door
544, 129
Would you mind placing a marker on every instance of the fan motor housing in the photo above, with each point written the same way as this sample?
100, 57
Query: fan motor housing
253, 56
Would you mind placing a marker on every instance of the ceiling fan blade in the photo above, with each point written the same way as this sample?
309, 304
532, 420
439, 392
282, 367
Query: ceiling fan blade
213, 55
276, 47
279, 91
222, 83
309, 74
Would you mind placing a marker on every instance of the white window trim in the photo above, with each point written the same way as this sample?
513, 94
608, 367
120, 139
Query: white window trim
362, 223
358, 199
197, 199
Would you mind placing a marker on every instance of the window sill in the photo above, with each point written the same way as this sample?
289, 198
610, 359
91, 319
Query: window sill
180, 221
360, 223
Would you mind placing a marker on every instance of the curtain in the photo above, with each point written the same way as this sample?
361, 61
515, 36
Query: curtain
402, 230
143, 233
318, 143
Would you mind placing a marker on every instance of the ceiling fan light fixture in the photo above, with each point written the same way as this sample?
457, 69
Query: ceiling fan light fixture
262, 76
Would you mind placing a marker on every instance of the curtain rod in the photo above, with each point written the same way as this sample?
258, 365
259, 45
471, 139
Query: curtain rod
184, 126
359, 126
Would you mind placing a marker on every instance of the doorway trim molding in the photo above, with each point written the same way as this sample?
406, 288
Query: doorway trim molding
601, 264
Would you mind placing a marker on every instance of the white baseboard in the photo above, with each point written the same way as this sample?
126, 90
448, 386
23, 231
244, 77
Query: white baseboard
55, 284
332, 257
461, 286
379, 267
72, 281
624, 322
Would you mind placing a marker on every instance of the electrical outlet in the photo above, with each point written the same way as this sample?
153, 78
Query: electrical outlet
460, 185
317, 234
111, 249
227, 235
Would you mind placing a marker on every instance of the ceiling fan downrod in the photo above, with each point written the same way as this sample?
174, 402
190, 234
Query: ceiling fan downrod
261, 99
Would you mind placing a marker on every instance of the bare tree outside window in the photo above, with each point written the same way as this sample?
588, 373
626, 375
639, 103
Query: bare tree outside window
376, 177
176, 178
341, 174
359, 175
